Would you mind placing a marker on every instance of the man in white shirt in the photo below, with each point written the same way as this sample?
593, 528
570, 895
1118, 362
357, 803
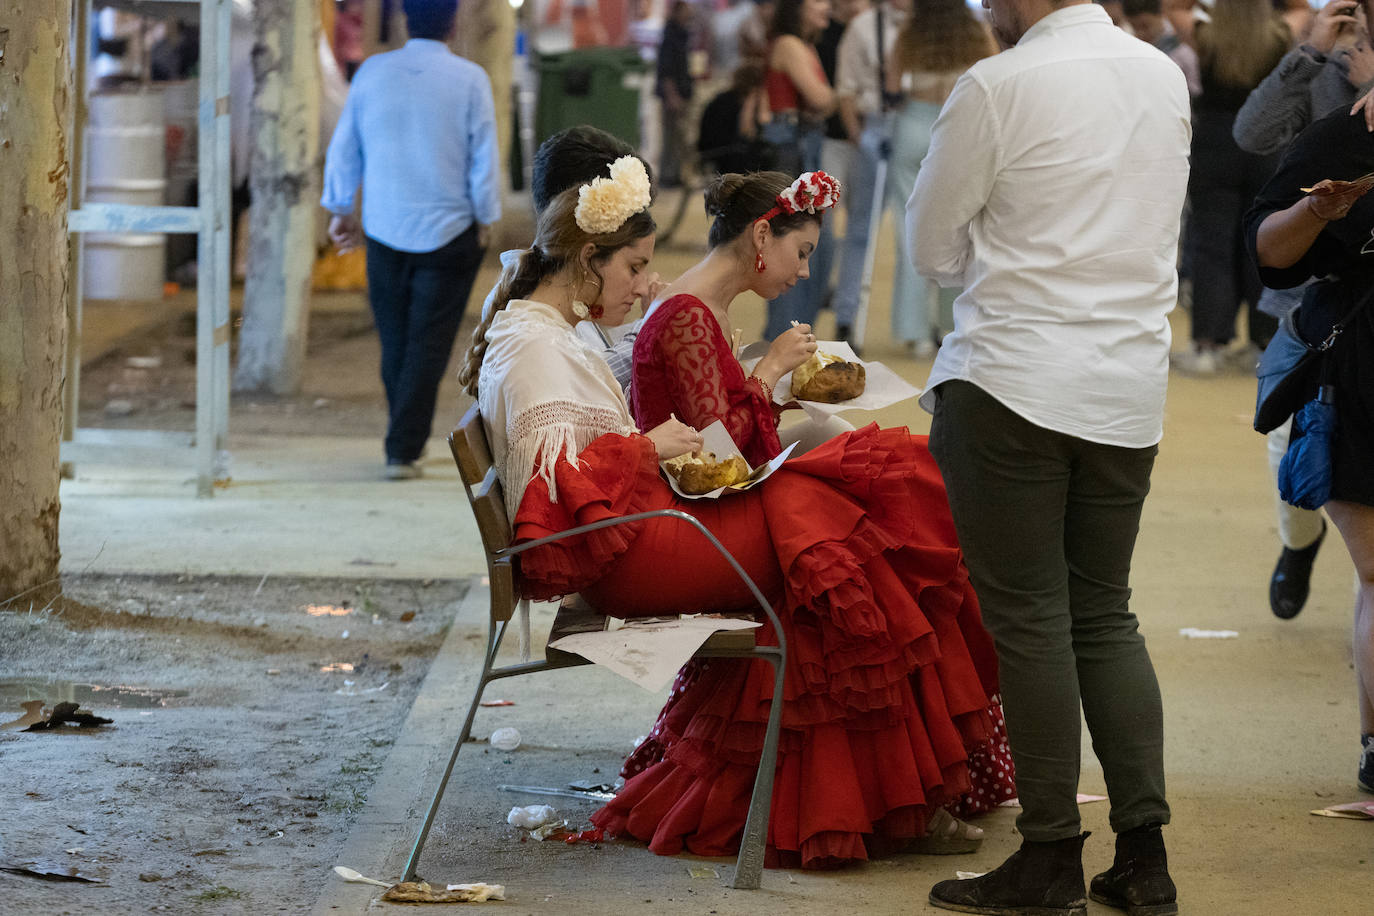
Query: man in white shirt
859, 85
1052, 193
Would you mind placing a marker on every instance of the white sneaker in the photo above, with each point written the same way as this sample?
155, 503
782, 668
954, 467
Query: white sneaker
402, 470
1196, 362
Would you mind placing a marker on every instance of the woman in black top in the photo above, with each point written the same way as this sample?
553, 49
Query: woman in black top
1329, 235
1236, 48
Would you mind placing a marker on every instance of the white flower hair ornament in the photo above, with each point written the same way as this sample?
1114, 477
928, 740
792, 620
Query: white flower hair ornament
605, 203
813, 192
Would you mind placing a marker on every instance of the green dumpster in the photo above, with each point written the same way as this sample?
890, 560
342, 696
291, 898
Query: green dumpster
596, 86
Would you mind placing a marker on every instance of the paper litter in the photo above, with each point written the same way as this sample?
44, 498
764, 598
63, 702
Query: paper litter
531, 816
1195, 633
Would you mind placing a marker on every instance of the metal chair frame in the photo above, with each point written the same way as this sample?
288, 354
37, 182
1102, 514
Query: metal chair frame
468, 442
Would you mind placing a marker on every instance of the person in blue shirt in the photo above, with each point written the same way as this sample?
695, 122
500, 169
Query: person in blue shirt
418, 133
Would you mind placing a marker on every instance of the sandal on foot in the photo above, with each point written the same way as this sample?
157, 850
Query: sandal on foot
946, 835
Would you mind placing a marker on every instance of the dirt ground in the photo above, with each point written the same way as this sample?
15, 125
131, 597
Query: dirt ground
250, 718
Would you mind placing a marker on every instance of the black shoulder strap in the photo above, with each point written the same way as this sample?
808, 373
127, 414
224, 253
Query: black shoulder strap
882, 77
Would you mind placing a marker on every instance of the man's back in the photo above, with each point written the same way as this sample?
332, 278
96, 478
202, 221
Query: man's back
423, 122
1053, 193
1089, 152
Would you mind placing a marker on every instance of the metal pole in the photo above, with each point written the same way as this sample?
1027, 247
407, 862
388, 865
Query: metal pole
212, 259
875, 221
76, 196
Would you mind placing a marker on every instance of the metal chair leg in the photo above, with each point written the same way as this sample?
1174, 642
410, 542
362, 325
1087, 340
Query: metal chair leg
749, 867
482, 682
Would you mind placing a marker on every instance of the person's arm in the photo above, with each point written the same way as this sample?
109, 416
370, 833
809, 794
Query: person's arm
343, 173
849, 78
1281, 105
1365, 106
1286, 235
1279, 108
697, 389
620, 356
752, 112
797, 59
954, 183
484, 175
849, 117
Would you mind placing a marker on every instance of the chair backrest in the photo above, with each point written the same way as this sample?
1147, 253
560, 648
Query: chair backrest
472, 453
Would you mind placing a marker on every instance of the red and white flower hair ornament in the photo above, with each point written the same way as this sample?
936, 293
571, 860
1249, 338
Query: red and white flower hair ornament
813, 192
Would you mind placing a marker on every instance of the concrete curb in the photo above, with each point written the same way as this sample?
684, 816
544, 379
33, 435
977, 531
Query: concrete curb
381, 838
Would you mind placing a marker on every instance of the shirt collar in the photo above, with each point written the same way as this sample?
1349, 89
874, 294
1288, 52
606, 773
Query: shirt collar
1078, 14
428, 45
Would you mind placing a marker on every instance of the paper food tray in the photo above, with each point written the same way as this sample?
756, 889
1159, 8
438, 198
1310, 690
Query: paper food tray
882, 387
715, 438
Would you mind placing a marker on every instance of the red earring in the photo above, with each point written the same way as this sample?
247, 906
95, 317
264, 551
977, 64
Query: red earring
758, 263
596, 310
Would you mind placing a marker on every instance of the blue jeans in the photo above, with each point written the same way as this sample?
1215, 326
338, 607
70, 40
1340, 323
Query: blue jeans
803, 301
921, 310
417, 303
859, 185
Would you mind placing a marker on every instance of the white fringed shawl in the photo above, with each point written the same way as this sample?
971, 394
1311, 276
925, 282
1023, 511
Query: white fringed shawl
543, 393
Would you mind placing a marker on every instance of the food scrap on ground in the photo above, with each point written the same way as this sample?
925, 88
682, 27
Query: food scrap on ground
424, 892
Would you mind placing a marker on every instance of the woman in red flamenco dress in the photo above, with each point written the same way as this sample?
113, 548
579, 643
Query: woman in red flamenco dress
883, 693
685, 366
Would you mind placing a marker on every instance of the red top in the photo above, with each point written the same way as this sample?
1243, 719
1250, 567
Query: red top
683, 366
782, 92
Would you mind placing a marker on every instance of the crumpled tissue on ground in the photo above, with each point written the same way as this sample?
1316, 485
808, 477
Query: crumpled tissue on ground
531, 816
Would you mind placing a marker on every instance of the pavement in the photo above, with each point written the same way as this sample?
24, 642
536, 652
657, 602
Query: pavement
1261, 728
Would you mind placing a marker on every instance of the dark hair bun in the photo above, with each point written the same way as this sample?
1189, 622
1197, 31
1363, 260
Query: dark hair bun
720, 191
734, 201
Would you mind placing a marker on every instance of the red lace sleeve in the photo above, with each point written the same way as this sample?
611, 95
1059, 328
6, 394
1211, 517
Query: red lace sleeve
706, 383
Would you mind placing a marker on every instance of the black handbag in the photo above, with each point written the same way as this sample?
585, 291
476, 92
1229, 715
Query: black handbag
1288, 369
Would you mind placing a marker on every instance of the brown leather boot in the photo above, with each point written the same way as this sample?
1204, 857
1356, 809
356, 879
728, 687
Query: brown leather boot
1040, 879
1138, 881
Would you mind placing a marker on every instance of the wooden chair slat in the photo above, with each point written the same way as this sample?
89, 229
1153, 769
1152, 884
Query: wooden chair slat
469, 446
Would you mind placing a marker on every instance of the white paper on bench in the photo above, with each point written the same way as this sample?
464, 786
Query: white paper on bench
648, 653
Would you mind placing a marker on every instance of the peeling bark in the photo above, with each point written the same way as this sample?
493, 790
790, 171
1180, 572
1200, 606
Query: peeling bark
285, 186
486, 36
35, 120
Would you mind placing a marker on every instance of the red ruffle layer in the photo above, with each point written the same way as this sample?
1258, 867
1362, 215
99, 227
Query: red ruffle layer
889, 670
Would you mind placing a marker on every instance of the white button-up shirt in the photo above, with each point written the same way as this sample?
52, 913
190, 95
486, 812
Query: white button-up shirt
419, 132
1052, 193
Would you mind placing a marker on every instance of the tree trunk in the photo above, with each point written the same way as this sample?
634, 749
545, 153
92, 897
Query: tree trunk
486, 36
35, 119
285, 187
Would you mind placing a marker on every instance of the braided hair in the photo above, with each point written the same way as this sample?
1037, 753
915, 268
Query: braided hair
558, 240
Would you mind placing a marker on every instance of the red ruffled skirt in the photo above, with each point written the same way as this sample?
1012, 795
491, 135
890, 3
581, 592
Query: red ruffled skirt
889, 670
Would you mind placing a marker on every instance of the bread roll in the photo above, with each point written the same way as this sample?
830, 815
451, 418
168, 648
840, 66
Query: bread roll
828, 379
701, 472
